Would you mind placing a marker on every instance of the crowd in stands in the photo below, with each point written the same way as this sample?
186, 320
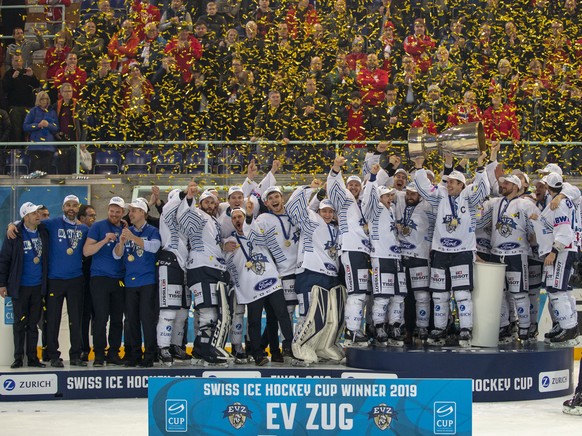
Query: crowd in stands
293, 70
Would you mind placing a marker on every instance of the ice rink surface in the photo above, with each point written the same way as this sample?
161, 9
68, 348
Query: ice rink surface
128, 417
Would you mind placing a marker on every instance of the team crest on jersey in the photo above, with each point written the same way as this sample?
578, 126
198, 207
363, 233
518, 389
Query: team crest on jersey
72, 235
451, 223
258, 263
237, 414
505, 226
406, 228
382, 416
332, 249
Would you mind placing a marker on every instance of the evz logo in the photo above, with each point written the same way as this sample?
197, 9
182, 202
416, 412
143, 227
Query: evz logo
237, 414
382, 415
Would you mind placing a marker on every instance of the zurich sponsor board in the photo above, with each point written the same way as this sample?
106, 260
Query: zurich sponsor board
28, 384
550, 381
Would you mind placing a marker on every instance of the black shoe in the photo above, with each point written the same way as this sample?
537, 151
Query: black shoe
277, 358
179, 353
84, 356
17, 364
98, 362
57, 363
114, 359
77, 362
35, 363
261, 360
146, 363
45, 356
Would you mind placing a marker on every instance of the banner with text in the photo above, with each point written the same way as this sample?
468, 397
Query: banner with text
309, 406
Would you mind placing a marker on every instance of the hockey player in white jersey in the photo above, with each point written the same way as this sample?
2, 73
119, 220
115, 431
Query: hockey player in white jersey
206, 274
557, 240
282, 239
355, 256
509, 217
256, 279
321, 299
174, 300
453, 247
415, 219
388, 278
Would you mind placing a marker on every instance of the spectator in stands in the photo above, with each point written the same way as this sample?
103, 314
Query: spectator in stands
252, 48
372, 81
105, 20
54, 59
311, 113
272, 120
150, 50
186, 49
70, 128
505, 82
176, 16
230, 11
357, 58
169, 99
300, 19
142, 13
420, 46
122, 47
446, 75
41, 124
340, 23
102, 101
484, 55
409, 84
24, 47
72, 74
339, 83
264, 16
388, 120
557, 49
5, 126
136, 94
228, 47
500, 120
435, 107
465, 112
321, 46
215, 22
54, 13
390, 49
353, 128
89, 48
18, 85
456, 43
315, 70
513, 45
423, 119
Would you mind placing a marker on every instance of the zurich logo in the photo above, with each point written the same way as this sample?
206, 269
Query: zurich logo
9, 384
264, 284
545, 381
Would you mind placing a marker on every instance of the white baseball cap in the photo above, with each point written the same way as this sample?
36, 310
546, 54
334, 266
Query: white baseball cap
28, 207
71, 198
401, 170
326, 203
234, 189
237, 209
512, 178
269, 191
139, 203
457, 175
354, 179
383, 190
551, 168
207, 194
412, 187
117, 201
553, 180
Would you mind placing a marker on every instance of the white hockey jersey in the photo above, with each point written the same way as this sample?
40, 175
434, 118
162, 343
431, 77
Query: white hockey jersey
415, 226
319, 242
282, 239
556, 228
383, 236
456, 216
204, 236
172, 238
251, 266
351, 220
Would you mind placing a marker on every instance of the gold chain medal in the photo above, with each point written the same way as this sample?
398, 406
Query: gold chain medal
287, 243
249, 264
36, 260
130, 257
70, 251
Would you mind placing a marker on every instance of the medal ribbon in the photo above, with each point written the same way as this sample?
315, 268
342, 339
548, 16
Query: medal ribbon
247, 255
408, 211
37, 253
286, 233
454, 207
74, 238
332, 234
500, 212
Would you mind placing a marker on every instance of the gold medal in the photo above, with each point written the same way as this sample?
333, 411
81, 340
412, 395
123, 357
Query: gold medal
406, 230
130, 258
249, 264
36, 260
287, 243
69, 251
366, 228
454, 222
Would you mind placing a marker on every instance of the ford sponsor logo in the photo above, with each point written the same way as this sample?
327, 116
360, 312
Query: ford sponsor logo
395, 249
330, 267
484, 242
264, 284
508, 246
450, 242
407, 246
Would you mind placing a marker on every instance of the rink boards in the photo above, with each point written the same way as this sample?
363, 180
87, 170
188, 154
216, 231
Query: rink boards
507, 373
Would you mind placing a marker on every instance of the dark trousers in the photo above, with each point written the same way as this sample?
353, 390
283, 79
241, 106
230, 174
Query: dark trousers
58, 290
108, 303
254, 314
141, 314
27, 309
86, 318
271, 333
